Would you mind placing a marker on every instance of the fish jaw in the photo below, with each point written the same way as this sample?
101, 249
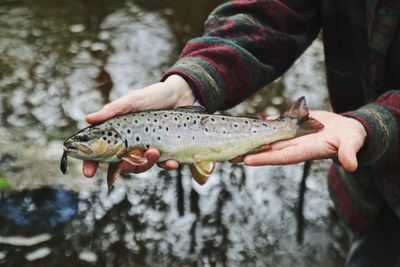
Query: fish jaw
97, 152
101, 143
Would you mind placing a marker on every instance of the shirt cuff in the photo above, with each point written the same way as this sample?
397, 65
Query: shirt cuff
381, 128
203, 79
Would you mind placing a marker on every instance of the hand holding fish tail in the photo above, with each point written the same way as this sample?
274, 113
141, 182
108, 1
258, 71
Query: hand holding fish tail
342, 137
172, 92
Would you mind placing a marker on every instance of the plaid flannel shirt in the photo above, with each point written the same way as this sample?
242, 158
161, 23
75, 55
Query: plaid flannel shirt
248, 44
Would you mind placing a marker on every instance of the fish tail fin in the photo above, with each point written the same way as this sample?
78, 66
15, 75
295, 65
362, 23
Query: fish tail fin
299, 111
309, 126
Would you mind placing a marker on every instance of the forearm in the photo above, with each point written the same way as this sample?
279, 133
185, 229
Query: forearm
247, 44
381, 120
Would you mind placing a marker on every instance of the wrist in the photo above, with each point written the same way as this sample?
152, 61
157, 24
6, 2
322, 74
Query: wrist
181, 90
362, 133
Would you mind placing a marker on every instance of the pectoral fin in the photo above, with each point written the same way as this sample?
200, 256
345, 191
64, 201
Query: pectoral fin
202, 170
112, 174
135, 157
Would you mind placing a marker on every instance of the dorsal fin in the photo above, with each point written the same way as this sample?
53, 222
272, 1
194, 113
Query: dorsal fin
298, 110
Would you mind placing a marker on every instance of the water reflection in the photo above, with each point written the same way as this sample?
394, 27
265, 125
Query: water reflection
59, 61
37, 211
144, 223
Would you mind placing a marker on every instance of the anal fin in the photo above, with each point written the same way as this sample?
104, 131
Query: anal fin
202, 170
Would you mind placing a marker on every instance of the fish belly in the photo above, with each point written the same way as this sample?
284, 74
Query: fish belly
216, 147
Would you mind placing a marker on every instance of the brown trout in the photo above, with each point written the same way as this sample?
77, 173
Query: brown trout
186, 134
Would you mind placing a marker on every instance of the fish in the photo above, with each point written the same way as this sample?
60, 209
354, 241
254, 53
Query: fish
187, 134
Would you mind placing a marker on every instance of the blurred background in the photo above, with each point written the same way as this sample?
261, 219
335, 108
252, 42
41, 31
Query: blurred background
60, 60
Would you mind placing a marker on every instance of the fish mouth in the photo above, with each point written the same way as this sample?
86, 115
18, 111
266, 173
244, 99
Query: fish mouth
70, 147
75, 148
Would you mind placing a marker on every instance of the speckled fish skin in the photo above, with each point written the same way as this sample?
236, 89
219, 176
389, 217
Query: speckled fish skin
186, 134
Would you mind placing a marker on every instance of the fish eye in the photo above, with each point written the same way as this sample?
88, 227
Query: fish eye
83, 138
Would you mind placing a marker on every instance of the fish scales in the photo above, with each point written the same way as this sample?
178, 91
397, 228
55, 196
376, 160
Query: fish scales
190, 137
185, 134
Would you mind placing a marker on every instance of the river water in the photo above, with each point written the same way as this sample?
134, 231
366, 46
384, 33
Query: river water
60, 60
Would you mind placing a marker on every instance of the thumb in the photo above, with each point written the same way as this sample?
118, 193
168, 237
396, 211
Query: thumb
108, 111
347, 154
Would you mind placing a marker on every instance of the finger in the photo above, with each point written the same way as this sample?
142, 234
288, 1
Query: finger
89, 168
119, 106
108, 111
152, 156
347, 153
289, 155
292, 142
169, 164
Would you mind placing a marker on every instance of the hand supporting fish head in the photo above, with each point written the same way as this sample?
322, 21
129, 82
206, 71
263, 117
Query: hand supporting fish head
93, 143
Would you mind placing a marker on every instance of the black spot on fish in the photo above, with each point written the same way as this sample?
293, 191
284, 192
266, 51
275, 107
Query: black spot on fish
146, 129
126, 143
165, 115
193, 137
137, 139
206, 129
115, 142
103, 133
104, 138
274, 128
212, 119
160, 127
175, 118
184, 125
194, 122
254, 131
187, 118
158, 138
247, 122
136, 121
223, 132
179, 137
147, 146
266, 125
154, 130
108, 142
116, 136
128, 131
155, 120
166, 129
82, 138
223, 118
109, 133
235, 125
118, 124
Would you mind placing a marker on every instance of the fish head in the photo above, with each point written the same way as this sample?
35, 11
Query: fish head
95, 143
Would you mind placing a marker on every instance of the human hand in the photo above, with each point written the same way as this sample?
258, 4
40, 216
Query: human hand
341, 137
173, 92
